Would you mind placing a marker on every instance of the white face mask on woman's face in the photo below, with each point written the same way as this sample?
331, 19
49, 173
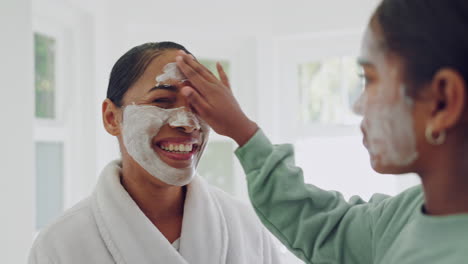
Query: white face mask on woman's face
141, 123
389, 128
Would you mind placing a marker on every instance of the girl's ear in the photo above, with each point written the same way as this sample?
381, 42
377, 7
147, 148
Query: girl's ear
449, 96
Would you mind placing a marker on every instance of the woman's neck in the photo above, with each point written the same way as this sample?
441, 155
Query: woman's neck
155, 200
161, 203
446, 185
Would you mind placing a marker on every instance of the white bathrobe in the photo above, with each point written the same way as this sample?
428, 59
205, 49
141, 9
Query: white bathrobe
109, 227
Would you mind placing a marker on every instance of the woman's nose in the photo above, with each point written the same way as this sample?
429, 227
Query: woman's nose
184, 120
186, 128
358, 106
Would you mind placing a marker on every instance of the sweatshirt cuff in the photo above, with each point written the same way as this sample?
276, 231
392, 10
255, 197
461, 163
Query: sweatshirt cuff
253, 154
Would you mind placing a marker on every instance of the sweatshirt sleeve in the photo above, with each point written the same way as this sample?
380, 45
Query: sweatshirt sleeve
317, 226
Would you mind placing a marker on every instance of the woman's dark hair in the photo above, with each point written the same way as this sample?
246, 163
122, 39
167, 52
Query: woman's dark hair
132, 65
427, 34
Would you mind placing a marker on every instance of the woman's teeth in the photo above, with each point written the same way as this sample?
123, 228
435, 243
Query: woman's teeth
179, 148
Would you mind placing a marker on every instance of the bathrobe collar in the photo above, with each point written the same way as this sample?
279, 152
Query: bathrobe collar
131, 237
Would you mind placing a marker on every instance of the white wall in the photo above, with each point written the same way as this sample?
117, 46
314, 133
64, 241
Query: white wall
309, 16
16, 133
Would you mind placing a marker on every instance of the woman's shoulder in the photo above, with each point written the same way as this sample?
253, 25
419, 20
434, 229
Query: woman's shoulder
409, 198
399, 209
73, 238
72, 228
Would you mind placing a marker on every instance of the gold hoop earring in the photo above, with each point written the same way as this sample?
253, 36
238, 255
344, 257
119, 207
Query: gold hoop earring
436, 141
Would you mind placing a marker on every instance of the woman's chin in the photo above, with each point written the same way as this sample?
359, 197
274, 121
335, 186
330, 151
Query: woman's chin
381, 168
178, 165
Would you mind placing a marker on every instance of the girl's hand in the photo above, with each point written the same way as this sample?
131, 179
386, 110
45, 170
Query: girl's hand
212, 100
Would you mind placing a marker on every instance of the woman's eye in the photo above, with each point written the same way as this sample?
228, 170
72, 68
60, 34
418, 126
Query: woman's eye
365, 79
161, 100
164, 101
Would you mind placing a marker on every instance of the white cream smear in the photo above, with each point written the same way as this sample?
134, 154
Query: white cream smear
389, 129
170, 72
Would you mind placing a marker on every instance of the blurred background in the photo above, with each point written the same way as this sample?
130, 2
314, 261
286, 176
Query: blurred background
292, 66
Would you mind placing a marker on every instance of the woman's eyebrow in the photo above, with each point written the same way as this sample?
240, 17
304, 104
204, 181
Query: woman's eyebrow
168, 87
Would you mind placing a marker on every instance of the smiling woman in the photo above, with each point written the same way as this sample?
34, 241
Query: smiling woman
150, 206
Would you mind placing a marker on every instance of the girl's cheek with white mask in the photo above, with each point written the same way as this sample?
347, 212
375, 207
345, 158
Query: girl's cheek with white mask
388, 127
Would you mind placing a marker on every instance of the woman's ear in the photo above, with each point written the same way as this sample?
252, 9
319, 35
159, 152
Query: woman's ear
449, 90
111, 117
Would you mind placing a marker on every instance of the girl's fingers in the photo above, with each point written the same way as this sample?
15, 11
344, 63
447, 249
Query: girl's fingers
199, 68
213, 77
223, 75
201, 65
196, 101
194, 77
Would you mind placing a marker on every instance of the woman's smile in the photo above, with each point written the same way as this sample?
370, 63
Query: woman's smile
177, 149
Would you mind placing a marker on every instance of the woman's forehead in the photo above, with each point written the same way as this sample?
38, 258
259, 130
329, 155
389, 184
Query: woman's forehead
147, 80
371, 47
156, 66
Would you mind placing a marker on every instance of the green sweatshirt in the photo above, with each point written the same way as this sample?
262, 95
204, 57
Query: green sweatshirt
321, 227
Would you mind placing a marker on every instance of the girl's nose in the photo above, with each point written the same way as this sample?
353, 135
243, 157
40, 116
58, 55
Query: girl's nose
358, 106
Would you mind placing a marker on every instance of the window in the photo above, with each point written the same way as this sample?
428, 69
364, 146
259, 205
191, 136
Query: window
328, 89
217, 166
49, 181
49, 131
44, 52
